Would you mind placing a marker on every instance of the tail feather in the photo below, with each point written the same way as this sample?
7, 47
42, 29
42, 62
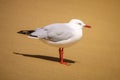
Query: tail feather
26, 32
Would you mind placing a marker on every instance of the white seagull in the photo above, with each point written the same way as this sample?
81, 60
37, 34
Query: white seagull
59, 34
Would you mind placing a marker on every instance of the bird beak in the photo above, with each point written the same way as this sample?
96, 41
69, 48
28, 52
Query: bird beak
87, 26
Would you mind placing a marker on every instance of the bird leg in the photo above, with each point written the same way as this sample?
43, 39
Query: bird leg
61, 52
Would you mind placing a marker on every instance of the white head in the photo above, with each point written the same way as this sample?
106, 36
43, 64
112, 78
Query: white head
79, 22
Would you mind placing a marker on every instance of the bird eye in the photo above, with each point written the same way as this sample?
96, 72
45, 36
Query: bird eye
79, 23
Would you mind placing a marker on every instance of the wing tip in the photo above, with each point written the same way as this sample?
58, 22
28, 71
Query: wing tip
25, 32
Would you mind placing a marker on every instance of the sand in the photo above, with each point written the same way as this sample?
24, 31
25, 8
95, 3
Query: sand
95, 57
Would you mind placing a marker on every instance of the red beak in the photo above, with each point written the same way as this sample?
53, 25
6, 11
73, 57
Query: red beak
87, 26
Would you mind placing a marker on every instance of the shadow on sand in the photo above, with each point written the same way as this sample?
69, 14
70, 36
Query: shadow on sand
44, 57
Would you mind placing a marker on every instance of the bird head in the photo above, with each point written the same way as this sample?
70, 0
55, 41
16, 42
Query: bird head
79, 22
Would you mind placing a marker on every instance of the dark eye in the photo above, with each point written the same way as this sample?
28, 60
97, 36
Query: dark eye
79, 23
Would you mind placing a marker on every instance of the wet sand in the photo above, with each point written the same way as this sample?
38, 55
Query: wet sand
95, 57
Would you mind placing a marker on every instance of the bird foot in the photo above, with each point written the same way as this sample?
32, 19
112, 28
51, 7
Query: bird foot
65, 63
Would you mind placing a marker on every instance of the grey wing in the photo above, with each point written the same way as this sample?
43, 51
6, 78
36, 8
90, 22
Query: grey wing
58, 32
39, 33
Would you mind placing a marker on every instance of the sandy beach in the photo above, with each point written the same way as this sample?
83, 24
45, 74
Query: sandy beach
95, 57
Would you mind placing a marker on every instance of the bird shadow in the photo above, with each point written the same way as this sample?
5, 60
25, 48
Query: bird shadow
49, 58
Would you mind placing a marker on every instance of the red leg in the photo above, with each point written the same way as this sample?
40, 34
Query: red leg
61, 52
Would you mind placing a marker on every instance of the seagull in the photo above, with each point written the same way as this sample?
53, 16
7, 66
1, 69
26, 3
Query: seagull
60, 35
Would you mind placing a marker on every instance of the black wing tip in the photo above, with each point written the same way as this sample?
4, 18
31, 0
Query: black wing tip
21, 32
26, 32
